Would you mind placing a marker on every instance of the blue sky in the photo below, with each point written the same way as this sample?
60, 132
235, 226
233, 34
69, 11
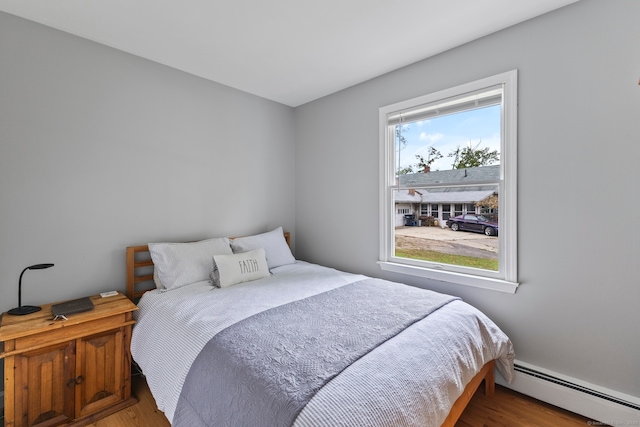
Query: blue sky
446, 133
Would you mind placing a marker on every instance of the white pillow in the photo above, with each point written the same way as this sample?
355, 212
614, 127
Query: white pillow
275, 247
156, 279
232, 269
179, 264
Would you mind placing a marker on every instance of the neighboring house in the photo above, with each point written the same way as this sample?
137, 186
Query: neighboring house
422, 194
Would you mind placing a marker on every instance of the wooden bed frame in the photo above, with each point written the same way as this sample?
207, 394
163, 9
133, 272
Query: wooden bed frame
140, 271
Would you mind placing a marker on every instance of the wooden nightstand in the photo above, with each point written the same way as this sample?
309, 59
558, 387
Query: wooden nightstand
69, 372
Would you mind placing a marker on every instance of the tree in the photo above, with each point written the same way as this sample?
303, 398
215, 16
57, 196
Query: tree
432, 156
405, 170
472, 157
402, 143
489, 202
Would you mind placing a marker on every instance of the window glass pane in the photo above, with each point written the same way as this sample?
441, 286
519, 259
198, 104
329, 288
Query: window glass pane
467, 240
453, 142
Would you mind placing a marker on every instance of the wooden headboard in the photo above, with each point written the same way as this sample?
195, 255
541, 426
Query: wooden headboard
140, 269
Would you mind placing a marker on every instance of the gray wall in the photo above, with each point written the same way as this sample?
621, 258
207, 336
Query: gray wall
100, 150
576, 312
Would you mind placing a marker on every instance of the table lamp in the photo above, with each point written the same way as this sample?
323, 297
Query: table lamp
26, 309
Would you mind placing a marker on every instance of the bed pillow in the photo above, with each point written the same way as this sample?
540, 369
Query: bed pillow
156, 280
275, 247
232, 269
179, 264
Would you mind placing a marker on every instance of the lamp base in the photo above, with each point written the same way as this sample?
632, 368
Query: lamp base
24, 309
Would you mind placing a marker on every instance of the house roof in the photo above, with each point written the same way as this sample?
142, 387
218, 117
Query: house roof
472, 196
456, 196
410, 190
457, 176
404, 196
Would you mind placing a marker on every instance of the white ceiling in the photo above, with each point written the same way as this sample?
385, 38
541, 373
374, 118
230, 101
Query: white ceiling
289, 51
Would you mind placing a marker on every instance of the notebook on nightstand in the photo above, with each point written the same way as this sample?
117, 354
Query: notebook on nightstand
71, 307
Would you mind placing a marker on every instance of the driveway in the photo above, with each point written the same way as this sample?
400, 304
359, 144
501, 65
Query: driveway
447, 241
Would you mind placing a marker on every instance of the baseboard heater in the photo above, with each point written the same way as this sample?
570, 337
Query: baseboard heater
577, 387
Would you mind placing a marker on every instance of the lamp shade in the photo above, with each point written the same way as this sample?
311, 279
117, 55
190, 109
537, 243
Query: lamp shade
21, 310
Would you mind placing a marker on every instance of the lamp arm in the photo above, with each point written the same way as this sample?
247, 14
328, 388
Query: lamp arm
20, 288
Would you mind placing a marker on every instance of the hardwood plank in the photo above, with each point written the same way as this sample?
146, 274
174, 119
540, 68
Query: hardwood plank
505, 409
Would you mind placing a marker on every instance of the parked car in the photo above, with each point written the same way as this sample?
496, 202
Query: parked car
473, 222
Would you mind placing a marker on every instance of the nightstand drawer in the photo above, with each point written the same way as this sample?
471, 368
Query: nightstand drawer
66, 333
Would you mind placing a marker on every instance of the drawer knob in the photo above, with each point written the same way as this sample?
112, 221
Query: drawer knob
75, 381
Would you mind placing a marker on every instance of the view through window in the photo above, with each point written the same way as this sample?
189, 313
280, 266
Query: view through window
448, 190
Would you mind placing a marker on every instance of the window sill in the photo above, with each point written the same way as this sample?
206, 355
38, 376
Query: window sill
452, 277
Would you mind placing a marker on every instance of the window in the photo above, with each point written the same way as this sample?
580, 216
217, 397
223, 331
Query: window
446, 212
456, 170
435, 211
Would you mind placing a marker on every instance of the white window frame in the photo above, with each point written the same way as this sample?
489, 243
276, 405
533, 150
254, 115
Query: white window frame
504, 280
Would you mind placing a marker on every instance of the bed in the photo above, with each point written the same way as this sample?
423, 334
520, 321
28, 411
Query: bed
204, 344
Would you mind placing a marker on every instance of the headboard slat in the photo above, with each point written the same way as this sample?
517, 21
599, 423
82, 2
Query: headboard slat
145, 263
146, 278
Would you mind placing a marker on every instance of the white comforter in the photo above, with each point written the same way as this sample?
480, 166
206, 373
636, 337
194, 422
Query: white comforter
412, 379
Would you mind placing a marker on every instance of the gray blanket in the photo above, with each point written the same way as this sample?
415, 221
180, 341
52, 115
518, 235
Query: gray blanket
263, 370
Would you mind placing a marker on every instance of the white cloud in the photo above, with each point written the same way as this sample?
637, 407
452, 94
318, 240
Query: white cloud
431, 137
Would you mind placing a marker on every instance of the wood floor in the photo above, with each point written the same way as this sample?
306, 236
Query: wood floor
505, 409
510, 409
